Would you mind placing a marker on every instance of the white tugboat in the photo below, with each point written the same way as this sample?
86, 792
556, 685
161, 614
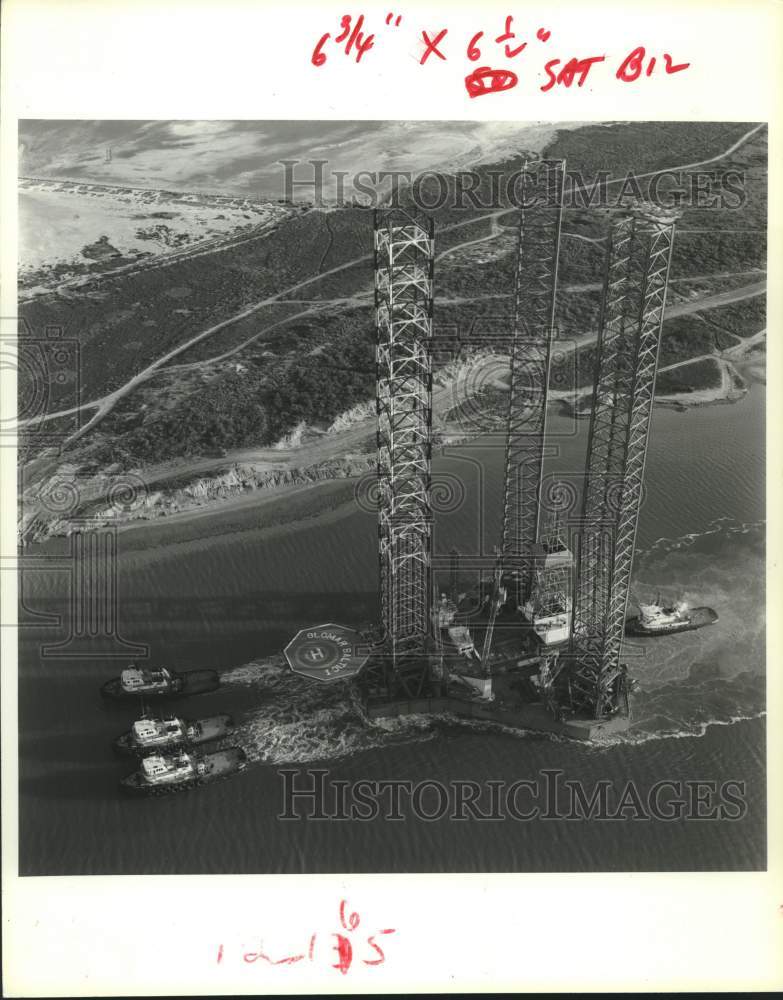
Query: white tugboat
159, 682
154, 733
657, 619
160, 773
158, 769
137, 680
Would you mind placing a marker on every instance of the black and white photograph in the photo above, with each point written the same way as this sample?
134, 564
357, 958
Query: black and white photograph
391, 496
391, 481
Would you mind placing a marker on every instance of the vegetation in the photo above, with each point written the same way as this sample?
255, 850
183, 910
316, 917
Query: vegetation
708, 253
742, 319
641, 147
227, 412
704, 374
578, 313
253, 403
685, 337
574, 369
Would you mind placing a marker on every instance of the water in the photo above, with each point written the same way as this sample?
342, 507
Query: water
228, 590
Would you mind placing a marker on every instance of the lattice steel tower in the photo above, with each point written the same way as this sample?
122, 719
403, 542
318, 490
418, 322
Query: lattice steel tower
404, 260
531, 350
532, 332
634, 298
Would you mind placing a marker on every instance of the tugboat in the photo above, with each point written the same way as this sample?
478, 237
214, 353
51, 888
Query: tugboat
656, 619
159, 682
160, 774
152, 733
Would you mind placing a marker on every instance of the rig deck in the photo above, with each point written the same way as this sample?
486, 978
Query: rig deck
514, 704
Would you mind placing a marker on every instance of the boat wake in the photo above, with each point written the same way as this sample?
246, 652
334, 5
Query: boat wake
296, 721
256, 673
695, 729
723, 568
299, 723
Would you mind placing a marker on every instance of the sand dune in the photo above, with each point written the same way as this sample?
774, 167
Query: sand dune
57, 220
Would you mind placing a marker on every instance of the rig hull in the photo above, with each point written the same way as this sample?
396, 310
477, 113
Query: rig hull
532, 717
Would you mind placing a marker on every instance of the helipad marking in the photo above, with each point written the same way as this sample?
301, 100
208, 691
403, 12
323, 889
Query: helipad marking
327, 652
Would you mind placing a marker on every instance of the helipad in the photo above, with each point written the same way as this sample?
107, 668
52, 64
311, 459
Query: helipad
327, 652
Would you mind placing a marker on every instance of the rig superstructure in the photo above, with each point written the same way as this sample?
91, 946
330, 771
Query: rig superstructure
542, 647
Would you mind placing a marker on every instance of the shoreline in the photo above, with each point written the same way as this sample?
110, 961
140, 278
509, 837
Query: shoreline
234, 485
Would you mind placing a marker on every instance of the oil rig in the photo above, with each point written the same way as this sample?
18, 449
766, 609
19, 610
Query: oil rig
541, 648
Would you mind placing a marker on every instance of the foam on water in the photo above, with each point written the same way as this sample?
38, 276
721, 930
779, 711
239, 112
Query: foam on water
719, 526
293, 720
721, 567
696, 730
257, 672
